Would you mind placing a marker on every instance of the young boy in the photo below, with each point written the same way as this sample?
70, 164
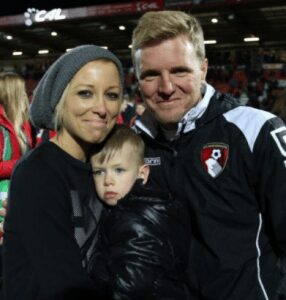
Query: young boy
142, 249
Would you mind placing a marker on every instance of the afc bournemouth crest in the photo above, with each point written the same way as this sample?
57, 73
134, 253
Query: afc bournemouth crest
214, 158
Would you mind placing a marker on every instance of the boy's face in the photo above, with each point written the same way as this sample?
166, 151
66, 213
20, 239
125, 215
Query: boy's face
114, 178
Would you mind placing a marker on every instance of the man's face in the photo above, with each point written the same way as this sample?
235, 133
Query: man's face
170, 77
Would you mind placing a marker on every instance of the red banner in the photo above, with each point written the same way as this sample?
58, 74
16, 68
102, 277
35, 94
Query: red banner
125, 8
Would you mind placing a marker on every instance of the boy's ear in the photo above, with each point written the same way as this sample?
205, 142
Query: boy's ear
144, 171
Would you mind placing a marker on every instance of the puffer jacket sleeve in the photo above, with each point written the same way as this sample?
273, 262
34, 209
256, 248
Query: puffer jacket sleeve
141, 251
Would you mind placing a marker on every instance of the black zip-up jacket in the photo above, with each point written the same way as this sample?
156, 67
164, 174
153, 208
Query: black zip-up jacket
142, 248
49, 227
229, 163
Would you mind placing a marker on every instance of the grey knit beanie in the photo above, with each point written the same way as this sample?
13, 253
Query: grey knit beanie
52, 85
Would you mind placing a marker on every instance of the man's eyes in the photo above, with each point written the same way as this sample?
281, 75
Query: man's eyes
150, 78
181, 72
150, 75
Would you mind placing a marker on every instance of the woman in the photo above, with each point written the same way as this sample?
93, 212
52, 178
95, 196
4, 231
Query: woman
52, 212
15, 130
15, 133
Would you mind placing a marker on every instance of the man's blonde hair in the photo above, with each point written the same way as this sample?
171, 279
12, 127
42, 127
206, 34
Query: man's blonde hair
161, 25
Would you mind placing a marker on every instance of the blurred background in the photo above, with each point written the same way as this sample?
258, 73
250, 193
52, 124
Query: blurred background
245, 40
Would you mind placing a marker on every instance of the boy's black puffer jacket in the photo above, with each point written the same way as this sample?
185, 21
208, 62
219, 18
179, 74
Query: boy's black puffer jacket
142, 248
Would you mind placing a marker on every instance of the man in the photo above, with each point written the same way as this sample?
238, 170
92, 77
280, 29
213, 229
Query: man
226, 163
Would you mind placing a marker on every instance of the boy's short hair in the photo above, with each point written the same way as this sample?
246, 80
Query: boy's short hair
120, 135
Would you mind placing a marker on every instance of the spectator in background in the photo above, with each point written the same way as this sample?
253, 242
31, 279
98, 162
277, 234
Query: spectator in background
16, 137
52, 211
123, 106
129, 109
279, 106
139, 110
16, 134
144, 234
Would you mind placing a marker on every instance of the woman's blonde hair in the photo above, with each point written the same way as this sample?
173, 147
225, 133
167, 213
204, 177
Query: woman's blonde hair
59, 110
161, 25
14, 99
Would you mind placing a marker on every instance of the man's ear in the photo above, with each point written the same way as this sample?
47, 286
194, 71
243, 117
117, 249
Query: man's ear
143, 173
204, 69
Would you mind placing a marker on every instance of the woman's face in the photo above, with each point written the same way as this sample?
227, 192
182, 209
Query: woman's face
92, 103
